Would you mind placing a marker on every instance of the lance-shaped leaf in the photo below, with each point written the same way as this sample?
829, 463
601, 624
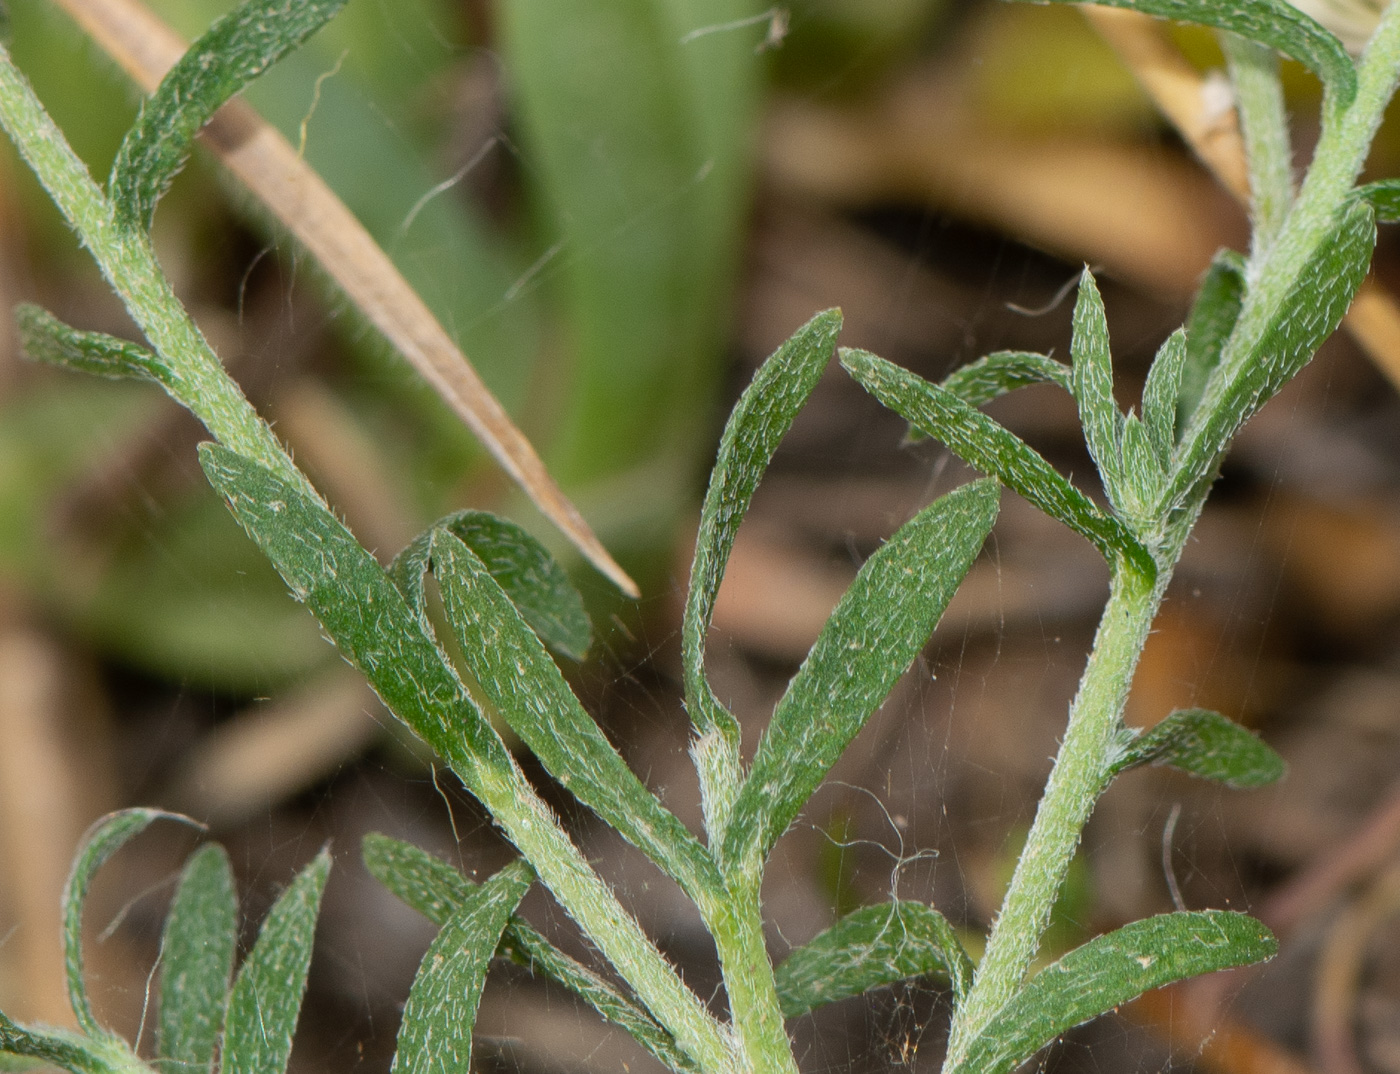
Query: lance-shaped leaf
1384, 198
758, 422
1208, 745
1208, 327
874, 946
266, 998
1110, 970
47, 339
1143, 474
995, 450
502, 652
436, 890
1004, 371
66, 1050
532, 578
440, 1015
1270, 22
231, 53
101, 841
1092, 381
872, 637
1160, 393
1309, 314
196, 963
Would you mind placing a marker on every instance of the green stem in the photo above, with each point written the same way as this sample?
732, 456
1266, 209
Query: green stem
129, 264
1076, 781
1268, 146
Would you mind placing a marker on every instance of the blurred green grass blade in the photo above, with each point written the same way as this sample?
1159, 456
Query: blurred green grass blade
440, 1015
874, 946
47, 339
533, 580
231, 53
436, 890
872, 637
266, 999
1004, 371
501, 652
760, 419
995, 450
1208, 745
1384, 197
63, 1049
1270, 22
638, 120
1160, 393
102, 840
1091, 377
196, 964
1312, 311
1110, 970
1208, 327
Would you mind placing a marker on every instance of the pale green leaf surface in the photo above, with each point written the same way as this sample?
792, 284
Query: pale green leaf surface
1092, 380
101, 841
980, 441
1208, 327
1004, 371
762, 416
1270, 22
196, 963
436, 890
501, 653
440, 1015
1160, 394
876, 631
1314, 307
874, 946
230, 54
532, 579
1208, 745
47, 339
1143, 475
1384, 197
66, 1050
266, 999
1110, 970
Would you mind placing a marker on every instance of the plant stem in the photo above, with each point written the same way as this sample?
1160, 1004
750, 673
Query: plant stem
1268, 146
1075, 783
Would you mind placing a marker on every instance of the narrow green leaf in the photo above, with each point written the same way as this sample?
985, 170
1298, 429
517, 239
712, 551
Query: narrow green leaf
101, 841
1384, 197
758, 422
66, 1050
196, 959
1160, 393
1004, 371
1314, 307
231, 53
1208, 327
1143, 474
266, 998
47, 339
995, 450
532, 579
359, 607
436, 890
874, 946
502, 652
1110, 970
871, 639
440, 1015
1092, 380
1208, 745
1270, 22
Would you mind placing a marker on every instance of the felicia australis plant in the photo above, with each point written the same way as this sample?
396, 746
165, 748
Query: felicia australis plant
1256, 321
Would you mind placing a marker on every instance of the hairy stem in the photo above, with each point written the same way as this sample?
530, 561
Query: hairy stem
1268, 146
1075, 783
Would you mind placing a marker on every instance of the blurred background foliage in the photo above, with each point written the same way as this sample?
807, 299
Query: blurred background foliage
619, 207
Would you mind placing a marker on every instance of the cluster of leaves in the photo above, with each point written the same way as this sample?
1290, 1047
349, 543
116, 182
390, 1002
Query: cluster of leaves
505, 604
